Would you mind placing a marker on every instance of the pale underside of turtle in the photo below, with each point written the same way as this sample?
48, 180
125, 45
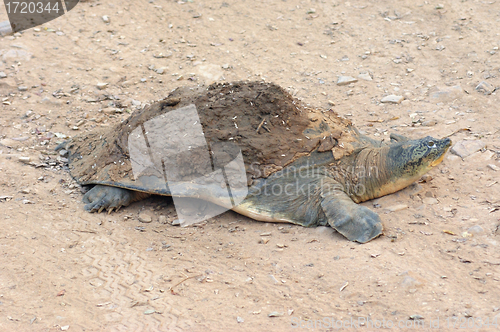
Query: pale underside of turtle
303, 165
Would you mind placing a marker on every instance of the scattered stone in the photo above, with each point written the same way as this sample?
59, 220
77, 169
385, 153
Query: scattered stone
426, 178
275, 314
429, 123
16, 55
485, 87
365, 76
162, 56
475, 229
25, 191
263, 240
162, 220
225, 66
494, 167
144, 217
410, 282
106, 19
63, 153
102, 86
24, 159
430, 201
344, 80
465, 148
398, 207
2, 74
211, 72
61, 135
393, 99
446, 93
5, 28
22, 88
160, 71
9, 142
176, 222
239, 319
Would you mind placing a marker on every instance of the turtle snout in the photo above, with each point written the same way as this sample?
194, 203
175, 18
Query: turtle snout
447, 143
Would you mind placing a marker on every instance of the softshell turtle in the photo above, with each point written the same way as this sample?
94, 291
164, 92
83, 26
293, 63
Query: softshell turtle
301, 165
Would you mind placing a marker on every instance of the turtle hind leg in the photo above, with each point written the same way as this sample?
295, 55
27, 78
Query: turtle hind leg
110, 198
355, 222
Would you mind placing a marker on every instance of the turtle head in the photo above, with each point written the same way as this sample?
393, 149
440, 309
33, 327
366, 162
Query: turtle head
409, 160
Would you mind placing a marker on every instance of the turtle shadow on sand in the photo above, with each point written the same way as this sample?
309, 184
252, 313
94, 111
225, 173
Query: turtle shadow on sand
253, 148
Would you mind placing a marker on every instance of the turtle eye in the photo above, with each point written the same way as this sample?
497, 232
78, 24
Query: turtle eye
431, 144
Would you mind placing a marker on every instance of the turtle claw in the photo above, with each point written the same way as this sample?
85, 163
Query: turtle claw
107, 198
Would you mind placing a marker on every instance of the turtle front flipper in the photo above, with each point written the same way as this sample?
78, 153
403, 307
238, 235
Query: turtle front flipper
110, 198
355, 222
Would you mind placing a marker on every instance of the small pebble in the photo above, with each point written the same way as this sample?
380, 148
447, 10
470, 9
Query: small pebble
365, 76
475, 230
430, 201
344, 80
485, 87
144, 217
465, 148
239, 319
102, 86
24, 159
429, 123
105, 19
275, 314
22, 88
2, 74
63, 153
392, 99
263, 240
426, 178
398, 207
162, 220
176, 222
494, 167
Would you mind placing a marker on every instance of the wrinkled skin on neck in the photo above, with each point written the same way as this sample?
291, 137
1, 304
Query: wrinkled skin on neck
372, 172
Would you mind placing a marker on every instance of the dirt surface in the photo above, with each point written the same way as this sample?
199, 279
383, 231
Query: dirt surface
62, 268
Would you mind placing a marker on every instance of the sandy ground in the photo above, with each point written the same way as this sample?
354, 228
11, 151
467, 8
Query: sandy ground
62, 268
